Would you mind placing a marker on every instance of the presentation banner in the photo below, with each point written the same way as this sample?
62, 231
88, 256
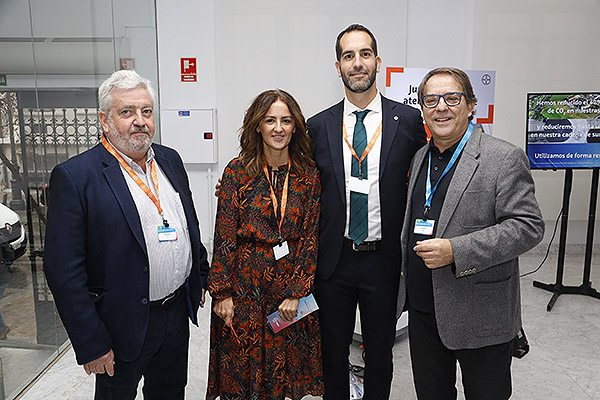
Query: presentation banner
563, 130
402, 84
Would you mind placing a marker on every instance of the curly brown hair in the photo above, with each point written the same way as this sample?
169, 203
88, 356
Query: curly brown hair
252, 153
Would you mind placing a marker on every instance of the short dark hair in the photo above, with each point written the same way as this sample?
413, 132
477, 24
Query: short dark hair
461, 77
351, 28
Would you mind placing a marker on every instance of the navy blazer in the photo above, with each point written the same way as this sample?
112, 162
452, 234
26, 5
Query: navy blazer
95, 256
401, 136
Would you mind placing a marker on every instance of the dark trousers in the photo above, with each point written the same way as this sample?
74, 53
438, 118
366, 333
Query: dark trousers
162, 362
360, 278
485, 371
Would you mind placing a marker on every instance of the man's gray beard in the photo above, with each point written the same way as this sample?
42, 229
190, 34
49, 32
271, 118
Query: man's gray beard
126, 143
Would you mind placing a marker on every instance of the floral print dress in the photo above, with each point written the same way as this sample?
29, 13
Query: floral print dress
250, 362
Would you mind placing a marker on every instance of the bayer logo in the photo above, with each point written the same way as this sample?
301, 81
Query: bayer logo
486, 79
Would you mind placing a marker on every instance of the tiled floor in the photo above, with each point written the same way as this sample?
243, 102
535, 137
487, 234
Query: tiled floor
33, 336
563, 363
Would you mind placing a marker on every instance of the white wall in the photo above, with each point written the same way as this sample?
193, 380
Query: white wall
290, 45
533, 45
188, 31
538, 46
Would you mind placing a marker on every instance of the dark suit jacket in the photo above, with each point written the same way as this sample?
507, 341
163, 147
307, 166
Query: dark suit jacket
95, 256
402, 135
491, 216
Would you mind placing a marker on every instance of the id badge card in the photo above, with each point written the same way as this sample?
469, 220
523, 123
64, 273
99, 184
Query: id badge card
423, 227
281, 250
166, 234
359, 185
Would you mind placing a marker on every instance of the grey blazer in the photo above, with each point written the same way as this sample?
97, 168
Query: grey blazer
491, 216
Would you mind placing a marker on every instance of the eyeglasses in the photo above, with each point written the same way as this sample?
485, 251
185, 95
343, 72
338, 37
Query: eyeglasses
451, 98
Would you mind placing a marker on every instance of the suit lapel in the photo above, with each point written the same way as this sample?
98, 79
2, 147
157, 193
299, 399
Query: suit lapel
175, 178
466, 167
334, 136
412, 180
414, 172
167, 168
389, 126
117, 183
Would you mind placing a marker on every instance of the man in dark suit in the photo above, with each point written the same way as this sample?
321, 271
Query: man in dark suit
463, 232
123, 255
362, 208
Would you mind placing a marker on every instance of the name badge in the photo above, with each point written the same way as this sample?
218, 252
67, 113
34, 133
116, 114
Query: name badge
359, 185
281, 250
424, 227
166, 234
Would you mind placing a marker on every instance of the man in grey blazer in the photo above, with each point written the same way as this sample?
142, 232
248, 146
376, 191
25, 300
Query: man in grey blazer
462, 235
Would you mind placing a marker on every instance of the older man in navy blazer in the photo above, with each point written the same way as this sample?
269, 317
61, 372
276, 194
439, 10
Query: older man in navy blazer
123, 255
362, 207
471, 212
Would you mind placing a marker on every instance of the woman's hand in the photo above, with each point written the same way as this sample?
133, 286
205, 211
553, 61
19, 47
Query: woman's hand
218, 187
289, 309
224, 309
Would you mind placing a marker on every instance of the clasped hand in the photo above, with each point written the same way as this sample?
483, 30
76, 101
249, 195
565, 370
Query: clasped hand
435, 253
100, 365
288, 309
224, 309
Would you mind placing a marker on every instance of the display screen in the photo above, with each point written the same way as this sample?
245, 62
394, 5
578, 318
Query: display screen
563, 130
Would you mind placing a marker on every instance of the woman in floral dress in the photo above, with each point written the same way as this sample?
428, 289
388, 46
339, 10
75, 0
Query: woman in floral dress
264, 260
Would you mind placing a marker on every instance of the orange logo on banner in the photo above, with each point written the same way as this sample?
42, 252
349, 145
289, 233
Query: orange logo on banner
490, 117
388, 74
188, 70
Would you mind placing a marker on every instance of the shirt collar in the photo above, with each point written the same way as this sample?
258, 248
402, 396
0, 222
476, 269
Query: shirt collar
373, 107
436, 152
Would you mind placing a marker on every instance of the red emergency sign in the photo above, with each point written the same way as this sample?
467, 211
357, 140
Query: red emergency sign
188, 70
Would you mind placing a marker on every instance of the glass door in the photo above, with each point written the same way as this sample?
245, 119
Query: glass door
53, 57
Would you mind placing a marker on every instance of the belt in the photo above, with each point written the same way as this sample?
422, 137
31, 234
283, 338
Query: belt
364, 246
164, 302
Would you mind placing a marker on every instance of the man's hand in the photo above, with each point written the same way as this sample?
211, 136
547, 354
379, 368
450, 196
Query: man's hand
435, 253
100, 365
218, 188
224, 309
203, 299
289, 309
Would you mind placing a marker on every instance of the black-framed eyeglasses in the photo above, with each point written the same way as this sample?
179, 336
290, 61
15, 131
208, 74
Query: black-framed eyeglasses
451, 98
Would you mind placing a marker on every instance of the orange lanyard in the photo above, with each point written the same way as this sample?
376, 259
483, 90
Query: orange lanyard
367, 149
137, 179
284, 196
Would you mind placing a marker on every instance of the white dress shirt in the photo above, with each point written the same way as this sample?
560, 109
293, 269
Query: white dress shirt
372, 121
170, 261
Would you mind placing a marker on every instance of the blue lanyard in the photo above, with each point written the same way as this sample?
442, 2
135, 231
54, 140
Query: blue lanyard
428, 190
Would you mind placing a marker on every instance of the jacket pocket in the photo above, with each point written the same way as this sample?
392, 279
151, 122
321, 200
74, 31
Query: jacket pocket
476, 209
497, 304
